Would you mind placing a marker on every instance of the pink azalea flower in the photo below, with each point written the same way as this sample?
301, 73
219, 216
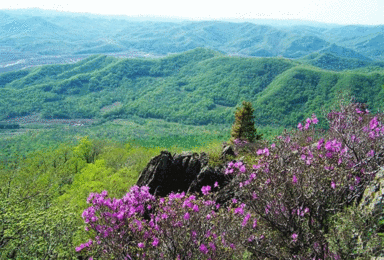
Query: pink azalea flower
300, 126
203, 249
254, 223
314, 119
206, 189
294, 237
294, 179
155, 241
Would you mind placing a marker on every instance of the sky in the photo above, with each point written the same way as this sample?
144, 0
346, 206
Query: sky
365, 12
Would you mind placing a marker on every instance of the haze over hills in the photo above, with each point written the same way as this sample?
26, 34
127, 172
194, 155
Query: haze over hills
31, 37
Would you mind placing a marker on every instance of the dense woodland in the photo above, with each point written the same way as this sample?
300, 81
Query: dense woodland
201, 82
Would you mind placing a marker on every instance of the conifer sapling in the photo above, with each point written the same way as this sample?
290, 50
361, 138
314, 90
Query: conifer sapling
243, 128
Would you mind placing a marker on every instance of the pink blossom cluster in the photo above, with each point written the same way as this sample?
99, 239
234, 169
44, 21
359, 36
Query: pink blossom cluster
85, 245
240, 142
234, 167
264, 151
375, 128
300, 211
133, 233
308, 121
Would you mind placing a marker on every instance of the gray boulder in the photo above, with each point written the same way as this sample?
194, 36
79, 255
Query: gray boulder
227, 151
373, 198
187, 172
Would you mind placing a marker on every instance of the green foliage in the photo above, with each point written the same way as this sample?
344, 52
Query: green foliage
244, 125
354, 234
197, 87
32, 227
301, 91
37, 233
6, 78
329, 61
87, 150
214, 155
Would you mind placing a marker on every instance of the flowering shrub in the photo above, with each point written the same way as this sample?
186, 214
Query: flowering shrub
287, 201
180, 227
295, 194
192, 228
117, 223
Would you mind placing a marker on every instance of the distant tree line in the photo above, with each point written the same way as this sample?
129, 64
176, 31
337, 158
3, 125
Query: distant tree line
9, 126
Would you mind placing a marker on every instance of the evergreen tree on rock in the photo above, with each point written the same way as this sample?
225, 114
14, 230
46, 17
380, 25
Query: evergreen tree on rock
243, 128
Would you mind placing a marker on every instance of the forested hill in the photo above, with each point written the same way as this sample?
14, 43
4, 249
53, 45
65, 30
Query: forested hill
200, 86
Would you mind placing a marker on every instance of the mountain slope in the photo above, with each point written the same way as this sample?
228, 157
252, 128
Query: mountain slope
373, 46
344, 52
304, 46
300, 90
197, 87
330, 61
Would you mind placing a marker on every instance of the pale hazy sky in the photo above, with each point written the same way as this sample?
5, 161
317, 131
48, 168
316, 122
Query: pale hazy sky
367, 12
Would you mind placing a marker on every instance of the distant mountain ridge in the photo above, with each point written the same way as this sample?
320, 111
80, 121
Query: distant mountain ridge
46, 34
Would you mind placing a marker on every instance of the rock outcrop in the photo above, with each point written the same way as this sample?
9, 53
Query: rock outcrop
187, 172
227, 151
371, 205
373, 198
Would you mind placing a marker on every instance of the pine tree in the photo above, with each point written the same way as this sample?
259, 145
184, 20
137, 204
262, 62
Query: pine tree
244, 125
